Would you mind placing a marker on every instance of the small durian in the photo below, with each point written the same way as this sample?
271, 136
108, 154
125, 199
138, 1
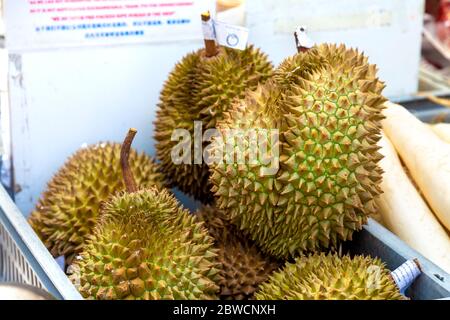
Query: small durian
67, 211
201, 88
243, 267
312, 179
145, 246
331, 277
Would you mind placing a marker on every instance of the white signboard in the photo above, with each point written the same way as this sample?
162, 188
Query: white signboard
37, 24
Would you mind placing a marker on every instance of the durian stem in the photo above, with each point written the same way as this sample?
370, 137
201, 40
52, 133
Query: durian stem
128, 178
210, 45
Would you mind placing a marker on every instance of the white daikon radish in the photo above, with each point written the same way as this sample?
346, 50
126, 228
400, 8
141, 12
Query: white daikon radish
426, 156
442, 130
406, 214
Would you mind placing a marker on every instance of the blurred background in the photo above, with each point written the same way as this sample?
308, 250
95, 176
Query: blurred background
72, 74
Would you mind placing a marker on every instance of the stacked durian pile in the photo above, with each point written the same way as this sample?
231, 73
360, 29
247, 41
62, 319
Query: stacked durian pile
269, 229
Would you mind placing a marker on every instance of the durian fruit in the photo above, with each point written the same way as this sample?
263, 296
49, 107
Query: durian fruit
67, 211
331, 277
202, 88
145, 246
242, 265
313, 179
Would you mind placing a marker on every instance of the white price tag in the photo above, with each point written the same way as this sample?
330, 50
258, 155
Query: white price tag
231, 36
303, 39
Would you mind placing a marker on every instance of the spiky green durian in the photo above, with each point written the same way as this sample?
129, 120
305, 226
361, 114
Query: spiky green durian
146, 247
242, 266
68, 209
319, 120
201, 89
331, 277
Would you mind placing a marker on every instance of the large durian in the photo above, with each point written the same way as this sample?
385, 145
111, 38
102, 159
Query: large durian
145, 246
201, 88
331, 277
67, 211
325, 106
242, 266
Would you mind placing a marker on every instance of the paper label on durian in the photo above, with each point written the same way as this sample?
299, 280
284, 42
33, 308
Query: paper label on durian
231, 36
40, 24
302, 37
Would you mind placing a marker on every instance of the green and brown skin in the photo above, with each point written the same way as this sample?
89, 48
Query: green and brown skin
67, 211
243, 267
202, 87
331, 277
145, 246
326, 104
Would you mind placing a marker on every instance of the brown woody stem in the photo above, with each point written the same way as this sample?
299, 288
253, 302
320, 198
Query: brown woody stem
210, 45
128, 178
